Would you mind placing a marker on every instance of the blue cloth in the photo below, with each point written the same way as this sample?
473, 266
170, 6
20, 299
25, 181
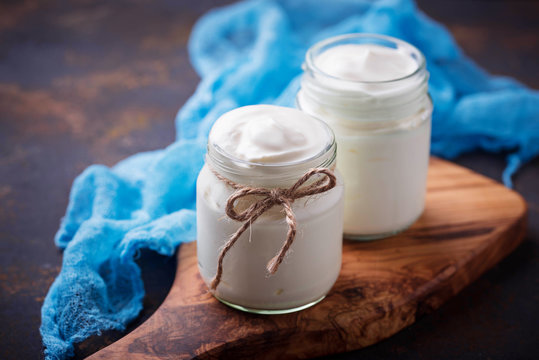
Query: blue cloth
251, 53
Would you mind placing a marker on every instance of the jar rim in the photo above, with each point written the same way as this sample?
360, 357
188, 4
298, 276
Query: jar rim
314, 50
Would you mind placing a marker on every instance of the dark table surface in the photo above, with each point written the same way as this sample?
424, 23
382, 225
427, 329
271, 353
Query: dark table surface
85, 82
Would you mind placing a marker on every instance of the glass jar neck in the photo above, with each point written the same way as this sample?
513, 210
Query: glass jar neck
364, 101
270, 175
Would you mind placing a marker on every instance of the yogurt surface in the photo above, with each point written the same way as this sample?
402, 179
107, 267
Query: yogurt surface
366, 63
268, 134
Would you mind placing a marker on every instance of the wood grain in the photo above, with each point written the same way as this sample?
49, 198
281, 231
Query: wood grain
470, 223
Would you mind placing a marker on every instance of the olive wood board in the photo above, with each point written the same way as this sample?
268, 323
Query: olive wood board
469, 224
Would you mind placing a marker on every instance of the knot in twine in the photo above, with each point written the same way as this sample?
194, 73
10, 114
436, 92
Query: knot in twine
271, 197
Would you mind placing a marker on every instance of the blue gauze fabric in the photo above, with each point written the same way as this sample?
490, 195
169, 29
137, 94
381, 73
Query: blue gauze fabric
251, 53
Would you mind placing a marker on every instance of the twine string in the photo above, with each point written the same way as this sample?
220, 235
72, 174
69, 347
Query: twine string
270, 198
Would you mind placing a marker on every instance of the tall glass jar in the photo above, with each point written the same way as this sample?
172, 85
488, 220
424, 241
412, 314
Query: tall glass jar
383, 132
313, 262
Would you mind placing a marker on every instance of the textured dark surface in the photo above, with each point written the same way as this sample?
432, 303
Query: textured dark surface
86, 82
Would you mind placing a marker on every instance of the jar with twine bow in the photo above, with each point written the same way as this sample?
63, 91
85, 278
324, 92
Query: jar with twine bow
270, 234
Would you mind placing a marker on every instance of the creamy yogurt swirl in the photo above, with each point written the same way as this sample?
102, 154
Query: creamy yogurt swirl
269, 134
366, 63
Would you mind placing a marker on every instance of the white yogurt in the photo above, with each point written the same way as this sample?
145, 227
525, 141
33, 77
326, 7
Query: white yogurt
269, 146
372, 90
365, 62
268, 134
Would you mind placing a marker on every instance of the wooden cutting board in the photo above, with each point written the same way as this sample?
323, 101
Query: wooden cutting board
470, 223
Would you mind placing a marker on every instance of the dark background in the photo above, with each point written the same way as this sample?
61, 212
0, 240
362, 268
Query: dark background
85, 82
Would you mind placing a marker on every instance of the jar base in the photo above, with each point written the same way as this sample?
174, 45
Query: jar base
371, 237
270, 311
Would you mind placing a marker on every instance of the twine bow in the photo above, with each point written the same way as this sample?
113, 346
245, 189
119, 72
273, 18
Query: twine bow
271, 197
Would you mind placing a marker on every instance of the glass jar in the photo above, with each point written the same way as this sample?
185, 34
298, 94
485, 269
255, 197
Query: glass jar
313, 261
383, 132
